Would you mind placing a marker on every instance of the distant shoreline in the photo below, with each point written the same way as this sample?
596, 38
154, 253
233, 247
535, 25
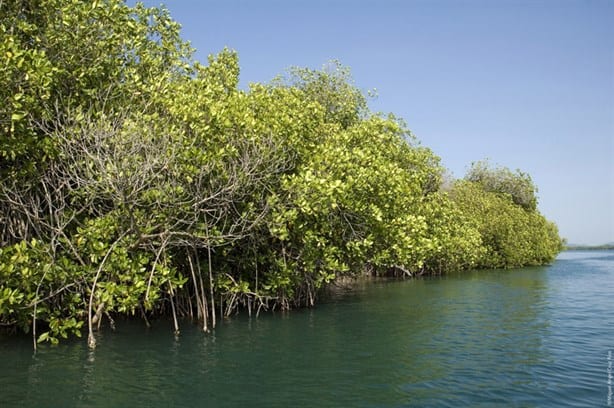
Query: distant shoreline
609, 247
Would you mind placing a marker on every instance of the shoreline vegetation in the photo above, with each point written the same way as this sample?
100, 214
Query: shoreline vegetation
135, 181
604, 247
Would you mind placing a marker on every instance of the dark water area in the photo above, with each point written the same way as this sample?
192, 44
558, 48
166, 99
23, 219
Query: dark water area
533, 337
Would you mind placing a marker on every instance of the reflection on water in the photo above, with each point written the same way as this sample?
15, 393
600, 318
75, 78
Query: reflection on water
530, 337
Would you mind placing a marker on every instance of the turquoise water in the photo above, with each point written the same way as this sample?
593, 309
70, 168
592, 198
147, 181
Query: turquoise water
533, 337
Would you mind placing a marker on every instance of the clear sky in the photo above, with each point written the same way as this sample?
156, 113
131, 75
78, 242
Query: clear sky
528, 84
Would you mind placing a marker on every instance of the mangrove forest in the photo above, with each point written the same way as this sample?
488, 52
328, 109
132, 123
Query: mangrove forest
136, 181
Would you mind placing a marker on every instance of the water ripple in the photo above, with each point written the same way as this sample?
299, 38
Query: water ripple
534, 337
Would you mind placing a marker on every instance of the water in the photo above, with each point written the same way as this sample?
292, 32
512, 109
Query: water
534, 337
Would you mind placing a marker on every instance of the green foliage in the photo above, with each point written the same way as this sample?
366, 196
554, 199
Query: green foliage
517, 185
511, 235
455, 242
332, 89
61, 54
503, 206
135, 181
32, 282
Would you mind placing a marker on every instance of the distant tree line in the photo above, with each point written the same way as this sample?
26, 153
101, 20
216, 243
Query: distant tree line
574, 247
135, 181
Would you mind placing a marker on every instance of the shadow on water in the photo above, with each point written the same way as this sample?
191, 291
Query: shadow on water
528, 337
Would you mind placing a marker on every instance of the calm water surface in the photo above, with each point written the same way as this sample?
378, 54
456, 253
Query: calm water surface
533, 337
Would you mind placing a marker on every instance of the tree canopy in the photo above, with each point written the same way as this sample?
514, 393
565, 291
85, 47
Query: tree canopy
137, 181
517, 185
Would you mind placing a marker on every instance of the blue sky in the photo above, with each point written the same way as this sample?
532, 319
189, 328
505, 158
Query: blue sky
527, 84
